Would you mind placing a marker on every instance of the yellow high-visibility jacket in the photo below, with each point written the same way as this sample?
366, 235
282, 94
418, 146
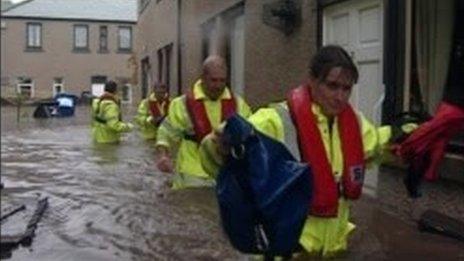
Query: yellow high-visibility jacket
320, 236
177, 126
106, 124
144, 118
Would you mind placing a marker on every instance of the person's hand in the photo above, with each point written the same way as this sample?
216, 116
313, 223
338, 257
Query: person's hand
164, 164
150, 120
408, 128
223, 148
163, 160
401, 134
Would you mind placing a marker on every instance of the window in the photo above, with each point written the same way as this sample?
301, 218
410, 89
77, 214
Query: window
164, 64
126, 94
103, 44
81, 37
98, 84
209, 32
125, 38
146, 73
160, 64
237, 54
25, 87
432, 47
34, 35
58, 86
225, 35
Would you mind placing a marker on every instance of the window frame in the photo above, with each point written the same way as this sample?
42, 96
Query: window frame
164, 64
121, 49
34, 47
100, 38
57, 83
211, 35
129, 94
21, 84
81, 48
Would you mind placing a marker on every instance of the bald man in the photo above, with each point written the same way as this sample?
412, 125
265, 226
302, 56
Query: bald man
190, 118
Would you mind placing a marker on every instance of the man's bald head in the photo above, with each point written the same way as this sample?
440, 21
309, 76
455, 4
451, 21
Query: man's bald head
214, 62
214, 76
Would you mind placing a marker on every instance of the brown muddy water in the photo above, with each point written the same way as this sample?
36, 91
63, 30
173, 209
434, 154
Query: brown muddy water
105, 202
110, 203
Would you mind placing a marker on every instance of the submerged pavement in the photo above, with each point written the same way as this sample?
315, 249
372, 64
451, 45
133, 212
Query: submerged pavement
111, 203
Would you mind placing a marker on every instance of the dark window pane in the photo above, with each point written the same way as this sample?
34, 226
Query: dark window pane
103, 38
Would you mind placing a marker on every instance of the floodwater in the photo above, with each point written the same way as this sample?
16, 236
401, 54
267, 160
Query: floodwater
110, 203
105, 202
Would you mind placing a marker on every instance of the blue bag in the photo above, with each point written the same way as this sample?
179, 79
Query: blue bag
263, 192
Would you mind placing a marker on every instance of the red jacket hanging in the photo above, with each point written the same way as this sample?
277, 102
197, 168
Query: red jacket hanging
199, 118
326, 191
430, 139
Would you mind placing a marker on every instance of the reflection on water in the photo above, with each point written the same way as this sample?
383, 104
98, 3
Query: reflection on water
106, 202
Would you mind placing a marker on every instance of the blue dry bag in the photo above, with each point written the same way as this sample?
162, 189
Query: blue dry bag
263, 192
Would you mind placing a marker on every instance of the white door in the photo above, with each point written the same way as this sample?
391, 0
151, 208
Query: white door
357, 26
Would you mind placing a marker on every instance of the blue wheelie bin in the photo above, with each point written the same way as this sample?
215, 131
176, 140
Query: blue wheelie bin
66, 104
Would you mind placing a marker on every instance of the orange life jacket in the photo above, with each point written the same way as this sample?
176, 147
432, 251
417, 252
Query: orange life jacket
199, 118
155, 111
326, 191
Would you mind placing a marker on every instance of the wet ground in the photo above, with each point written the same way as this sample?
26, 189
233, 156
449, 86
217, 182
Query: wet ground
110, 203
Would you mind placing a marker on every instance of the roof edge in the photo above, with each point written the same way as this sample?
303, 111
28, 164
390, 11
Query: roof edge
68, 19
16, 5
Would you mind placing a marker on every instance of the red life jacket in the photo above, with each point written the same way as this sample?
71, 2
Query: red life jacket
154, 109
326, 191
199, 118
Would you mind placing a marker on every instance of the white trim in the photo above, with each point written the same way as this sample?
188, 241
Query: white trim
56, 84
30, 85
54, 88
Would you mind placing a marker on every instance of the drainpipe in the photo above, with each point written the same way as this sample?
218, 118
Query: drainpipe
179, 49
